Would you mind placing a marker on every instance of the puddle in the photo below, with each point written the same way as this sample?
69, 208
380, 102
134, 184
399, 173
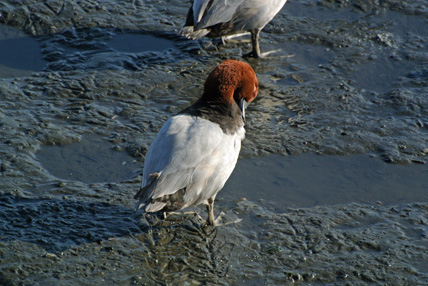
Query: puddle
381, 74
319, 13
309, 55
20, 55
92, 160
103, 48
136, 43
300, 59
312, 180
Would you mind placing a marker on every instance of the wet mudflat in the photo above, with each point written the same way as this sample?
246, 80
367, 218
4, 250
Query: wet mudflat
332, 184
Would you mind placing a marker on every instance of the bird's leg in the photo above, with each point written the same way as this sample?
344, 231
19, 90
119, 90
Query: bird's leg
256, 53
210, 209
255, 43
215, 222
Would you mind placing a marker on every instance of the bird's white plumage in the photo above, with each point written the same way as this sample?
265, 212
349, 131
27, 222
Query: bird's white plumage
193, 153
245, 14
221, 11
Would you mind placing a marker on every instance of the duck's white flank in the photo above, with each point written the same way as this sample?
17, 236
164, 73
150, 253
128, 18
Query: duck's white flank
193, 153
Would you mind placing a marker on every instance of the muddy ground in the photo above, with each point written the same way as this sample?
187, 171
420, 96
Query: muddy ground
332, 182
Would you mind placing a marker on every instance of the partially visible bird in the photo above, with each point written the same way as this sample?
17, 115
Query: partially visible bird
218, 18
197, 149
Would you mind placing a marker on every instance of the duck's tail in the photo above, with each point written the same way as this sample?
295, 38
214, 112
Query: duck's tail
144, 195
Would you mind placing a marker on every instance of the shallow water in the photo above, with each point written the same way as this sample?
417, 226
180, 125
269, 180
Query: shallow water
135, 43
309, 180
89, 161
20, 55
332, 181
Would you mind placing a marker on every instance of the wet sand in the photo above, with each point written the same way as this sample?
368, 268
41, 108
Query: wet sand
332, 181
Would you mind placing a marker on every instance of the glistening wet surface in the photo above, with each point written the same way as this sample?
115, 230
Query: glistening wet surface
136, 43
310, 180
20, 55
274, 181
331, 183
91, 160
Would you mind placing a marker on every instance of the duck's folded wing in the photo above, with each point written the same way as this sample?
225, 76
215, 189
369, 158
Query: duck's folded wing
178, 153
221, 11
198, 9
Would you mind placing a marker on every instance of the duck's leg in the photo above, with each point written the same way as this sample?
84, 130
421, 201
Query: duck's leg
255, 53
255, 41
216, 221
210, 209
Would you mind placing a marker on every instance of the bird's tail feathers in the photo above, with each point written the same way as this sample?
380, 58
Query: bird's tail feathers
144, 192
154, 207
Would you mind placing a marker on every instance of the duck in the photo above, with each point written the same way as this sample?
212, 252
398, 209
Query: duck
220, 18
196, 150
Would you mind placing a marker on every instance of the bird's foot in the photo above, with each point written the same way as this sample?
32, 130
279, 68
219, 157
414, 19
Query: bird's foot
254, 54
172, 217
219, 219
189, 213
